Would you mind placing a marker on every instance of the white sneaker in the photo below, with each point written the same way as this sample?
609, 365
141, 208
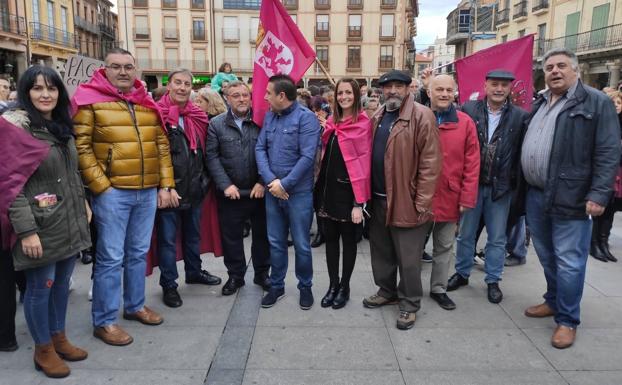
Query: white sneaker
91, 292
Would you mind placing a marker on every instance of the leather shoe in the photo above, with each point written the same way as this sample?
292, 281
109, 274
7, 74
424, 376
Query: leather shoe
113, 335
342, 298
145, 316
443, 301
204, 278
10, 346
263, 281
512, 260
494, 293
232, 285
329, 297
86, 257
539, 311
171, 297
455, 281
563, 337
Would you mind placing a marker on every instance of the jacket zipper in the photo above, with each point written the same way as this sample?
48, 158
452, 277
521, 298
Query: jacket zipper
140, 145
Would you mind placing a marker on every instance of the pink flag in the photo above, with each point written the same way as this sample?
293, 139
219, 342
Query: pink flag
515, 56
281, 49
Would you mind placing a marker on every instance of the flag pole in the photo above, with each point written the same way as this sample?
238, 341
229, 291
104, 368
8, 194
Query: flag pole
330, 78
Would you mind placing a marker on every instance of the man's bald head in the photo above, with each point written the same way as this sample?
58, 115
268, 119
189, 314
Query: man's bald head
441, 92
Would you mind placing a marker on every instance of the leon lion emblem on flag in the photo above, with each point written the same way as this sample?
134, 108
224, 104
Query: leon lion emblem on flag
273, 56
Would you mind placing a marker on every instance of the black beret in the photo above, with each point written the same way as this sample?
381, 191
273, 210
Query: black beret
395, 75
500, 74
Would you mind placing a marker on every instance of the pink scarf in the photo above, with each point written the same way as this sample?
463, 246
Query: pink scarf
195, 120
18, 161
355, 143
99, 90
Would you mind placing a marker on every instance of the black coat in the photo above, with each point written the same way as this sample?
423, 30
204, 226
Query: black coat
333, 192
500, 172
585, 155
231, 153
189, 169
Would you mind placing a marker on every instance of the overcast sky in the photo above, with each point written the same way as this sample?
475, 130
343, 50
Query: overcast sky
432, 21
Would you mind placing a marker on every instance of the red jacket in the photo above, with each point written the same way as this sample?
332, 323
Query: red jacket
458, 183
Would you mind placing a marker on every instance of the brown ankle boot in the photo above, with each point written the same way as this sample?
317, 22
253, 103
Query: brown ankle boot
49, 362
66, 350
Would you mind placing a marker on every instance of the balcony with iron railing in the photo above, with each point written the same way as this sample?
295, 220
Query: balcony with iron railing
540, 6
503, 16
106, 30
590, 42
520, 11
457, 28
48, 34
387, 32
355, 32
14, 24
355, 4
230, 35
388, 4
86, 25
290, 5
322, 31
385, 63
322, 4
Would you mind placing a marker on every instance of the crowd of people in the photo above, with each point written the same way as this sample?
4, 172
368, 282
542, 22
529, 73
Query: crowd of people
146, 179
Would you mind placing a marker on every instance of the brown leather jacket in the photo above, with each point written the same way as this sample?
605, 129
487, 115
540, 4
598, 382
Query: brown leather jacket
412, 164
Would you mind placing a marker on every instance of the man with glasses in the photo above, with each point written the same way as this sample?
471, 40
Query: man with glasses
231, 140
124, 158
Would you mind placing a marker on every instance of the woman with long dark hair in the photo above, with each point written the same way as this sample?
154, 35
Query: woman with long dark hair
343, 186
49, 217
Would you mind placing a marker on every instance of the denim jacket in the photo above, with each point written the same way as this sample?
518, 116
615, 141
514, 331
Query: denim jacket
287, 146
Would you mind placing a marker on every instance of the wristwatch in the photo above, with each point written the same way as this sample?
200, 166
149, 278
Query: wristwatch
167, 189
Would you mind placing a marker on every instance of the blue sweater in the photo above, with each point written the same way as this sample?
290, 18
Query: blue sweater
287, 146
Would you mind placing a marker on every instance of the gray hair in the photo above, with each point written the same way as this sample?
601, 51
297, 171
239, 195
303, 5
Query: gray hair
237, 83
180, 71
562, 51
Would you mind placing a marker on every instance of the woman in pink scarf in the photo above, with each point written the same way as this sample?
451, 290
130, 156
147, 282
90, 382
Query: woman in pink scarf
343, 186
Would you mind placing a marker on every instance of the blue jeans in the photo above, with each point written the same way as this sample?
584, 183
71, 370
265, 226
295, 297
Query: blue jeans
516, 239
124, 221
562, 246
495, 217
167, 244
283, 216
46, 298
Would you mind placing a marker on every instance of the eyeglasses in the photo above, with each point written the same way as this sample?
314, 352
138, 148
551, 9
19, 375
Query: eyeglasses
117, 67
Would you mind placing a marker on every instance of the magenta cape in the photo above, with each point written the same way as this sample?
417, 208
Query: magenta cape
355, 142
19, 159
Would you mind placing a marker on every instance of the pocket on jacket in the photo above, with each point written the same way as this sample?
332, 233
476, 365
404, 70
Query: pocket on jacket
46, 217
290, 139
230, 147
571, 190
454, 186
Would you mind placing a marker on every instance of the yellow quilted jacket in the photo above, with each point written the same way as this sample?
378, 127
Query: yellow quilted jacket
122, 149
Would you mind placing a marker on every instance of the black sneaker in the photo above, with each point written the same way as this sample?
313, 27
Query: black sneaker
494, 293
10, 346
171, 297
306, 298
205, 278
443, 300
272, 297
426, 258
455, 281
